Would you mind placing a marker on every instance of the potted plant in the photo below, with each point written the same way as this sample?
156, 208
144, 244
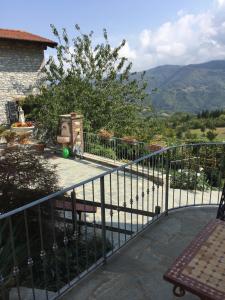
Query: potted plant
24, 138
157, 143
154, 147
129, 140
105, 134
38, 147
9, 136
27, 126
3, 142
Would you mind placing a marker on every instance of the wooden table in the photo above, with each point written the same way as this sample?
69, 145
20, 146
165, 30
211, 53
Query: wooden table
200, 269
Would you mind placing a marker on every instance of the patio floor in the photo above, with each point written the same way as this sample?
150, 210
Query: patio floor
72, 171
135, 273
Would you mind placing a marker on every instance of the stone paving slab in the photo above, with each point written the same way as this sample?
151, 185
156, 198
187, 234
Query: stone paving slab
136, 272
72, 171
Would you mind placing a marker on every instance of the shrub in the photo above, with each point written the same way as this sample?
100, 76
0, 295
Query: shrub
213, 177
129, 139
24, 177
187, 179
211, 135
105, 134
2, 128
102, 151
10, 136
57, 267
126, 151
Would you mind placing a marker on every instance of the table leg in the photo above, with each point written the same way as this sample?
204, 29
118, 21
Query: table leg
178, 291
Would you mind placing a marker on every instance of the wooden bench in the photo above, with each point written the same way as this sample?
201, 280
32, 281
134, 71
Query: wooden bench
79, 208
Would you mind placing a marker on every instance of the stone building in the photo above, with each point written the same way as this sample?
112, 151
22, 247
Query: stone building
21, 60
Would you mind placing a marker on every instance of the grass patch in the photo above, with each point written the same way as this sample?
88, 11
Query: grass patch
220, 131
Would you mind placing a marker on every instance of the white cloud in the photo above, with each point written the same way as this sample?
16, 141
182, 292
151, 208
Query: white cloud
145, 38
127, 52
180, 13
220, 3
192, 38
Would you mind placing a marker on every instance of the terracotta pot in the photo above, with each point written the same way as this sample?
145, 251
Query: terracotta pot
38, 147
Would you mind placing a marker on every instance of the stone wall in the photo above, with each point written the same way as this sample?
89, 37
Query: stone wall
20, 66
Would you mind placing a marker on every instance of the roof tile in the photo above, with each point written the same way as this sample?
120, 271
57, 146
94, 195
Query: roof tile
25, 36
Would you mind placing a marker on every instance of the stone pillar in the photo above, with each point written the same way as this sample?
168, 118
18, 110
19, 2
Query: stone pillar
77, 132
71, 132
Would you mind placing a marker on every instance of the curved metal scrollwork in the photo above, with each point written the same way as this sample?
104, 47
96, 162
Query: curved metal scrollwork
221, 209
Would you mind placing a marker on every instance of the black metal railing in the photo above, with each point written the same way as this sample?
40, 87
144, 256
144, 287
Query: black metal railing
48, 245
114, 148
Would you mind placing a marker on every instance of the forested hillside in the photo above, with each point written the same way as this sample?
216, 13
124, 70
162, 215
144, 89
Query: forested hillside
190, 88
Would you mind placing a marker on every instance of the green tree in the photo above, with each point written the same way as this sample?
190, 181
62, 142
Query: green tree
210, 124
189, 135
202, 128
92, 79
180, 130
211, 135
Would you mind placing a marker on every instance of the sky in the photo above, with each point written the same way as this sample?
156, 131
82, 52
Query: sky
157, 32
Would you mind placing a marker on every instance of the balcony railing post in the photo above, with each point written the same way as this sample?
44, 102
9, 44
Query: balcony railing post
167, 182
102, 193
74, 213
115, 144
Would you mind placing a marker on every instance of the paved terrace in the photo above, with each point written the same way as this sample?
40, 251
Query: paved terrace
121, 187
135, 273
72, 171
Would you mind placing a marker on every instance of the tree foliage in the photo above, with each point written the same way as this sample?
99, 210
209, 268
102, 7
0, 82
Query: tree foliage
24, 177
93, 79
211, 135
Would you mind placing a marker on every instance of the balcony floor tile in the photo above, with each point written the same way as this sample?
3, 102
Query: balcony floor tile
136, 272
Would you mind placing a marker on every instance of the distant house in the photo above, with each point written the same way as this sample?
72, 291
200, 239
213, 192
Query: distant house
21, 60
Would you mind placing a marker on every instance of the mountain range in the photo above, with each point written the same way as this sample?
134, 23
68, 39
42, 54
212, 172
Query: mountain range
189, 88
